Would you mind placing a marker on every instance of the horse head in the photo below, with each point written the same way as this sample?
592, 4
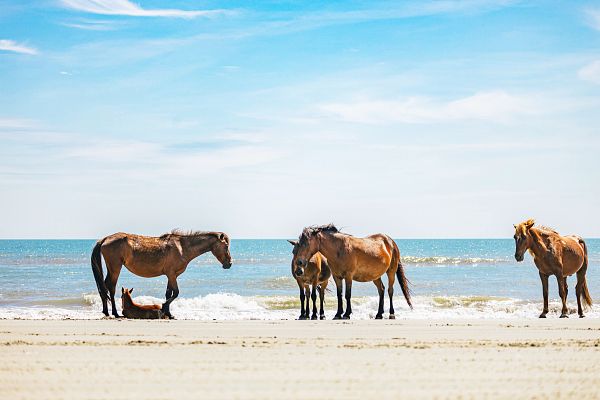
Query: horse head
221, 250
308, 244
298, 269
522, 238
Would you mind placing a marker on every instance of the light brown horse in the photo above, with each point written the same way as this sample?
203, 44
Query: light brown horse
139, 311
358, 259
557, 255
316, 274
150, 257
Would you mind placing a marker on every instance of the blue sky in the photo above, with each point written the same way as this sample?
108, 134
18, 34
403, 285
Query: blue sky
416, 118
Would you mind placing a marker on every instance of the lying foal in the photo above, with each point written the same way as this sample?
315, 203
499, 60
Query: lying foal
138, 311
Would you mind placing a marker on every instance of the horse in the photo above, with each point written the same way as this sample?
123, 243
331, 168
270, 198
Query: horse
355, 259
139, 311
317, 274
150, 257
557, 255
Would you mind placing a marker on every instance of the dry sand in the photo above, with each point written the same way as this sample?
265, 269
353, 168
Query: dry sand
120, 359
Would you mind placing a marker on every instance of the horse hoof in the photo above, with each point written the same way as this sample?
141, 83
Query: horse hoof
379, 316
314, 317
581, 316
346, 316
337, 317
322, 317
542, 315
301, 318
564, 316
392, 316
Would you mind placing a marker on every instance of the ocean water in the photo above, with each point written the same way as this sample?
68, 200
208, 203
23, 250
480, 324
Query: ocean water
52, 279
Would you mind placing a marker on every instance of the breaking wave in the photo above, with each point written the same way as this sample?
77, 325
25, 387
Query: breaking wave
229, 306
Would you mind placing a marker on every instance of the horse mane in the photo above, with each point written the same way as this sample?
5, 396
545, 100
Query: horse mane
314, 229
179, 233
547, 229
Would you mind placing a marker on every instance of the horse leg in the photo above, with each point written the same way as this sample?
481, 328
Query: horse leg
391, 280
169, 292
578, 294
172, 284
340, 309
544, 279
348, 282
322, 300
307, 294
313, 296
562, 291
580, 289
113, 269
302, 297
380, 289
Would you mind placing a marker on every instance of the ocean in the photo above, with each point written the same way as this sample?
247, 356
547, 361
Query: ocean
463, 278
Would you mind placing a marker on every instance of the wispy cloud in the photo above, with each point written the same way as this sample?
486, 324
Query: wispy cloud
285, 22
15, 123
127, 8
590, 72
11, 45
593, 16
491, 106
93, 25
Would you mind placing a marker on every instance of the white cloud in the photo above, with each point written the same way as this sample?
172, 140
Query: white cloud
10, 45
15, 123
593, 15
125, 7
490, 106
590, 72
93, 25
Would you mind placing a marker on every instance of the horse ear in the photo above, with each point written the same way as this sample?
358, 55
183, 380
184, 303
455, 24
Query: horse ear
222, 237
122, 290
515, 226
293, 242
529, 223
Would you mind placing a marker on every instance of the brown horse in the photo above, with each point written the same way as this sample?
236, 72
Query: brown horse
316, 274
358, 259
150, 257
557, 255
139, 311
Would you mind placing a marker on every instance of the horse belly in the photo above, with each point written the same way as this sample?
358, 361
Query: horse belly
368, 275
572, 256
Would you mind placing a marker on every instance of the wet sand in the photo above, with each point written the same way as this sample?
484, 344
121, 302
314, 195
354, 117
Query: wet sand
122, 359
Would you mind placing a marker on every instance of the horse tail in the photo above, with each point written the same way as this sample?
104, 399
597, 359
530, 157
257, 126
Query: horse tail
97, 269
587, 299
402, 279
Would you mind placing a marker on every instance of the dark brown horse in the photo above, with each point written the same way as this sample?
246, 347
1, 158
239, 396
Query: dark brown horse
557, 255
358, 259
139, 311
150, 257
316, 274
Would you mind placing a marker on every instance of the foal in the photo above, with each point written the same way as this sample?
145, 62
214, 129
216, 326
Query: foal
138, 311
317, 274
557, 255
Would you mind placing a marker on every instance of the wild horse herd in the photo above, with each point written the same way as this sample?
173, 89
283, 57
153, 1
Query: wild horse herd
319, 253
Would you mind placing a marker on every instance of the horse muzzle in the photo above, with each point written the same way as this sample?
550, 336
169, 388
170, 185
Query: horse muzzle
227, 266
299, 272
519, 257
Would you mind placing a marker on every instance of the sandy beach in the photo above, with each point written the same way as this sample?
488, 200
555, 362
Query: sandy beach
124, 359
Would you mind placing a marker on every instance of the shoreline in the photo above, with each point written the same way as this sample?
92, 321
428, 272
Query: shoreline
76, 359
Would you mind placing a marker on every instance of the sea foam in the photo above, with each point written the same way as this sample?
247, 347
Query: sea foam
230, 306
